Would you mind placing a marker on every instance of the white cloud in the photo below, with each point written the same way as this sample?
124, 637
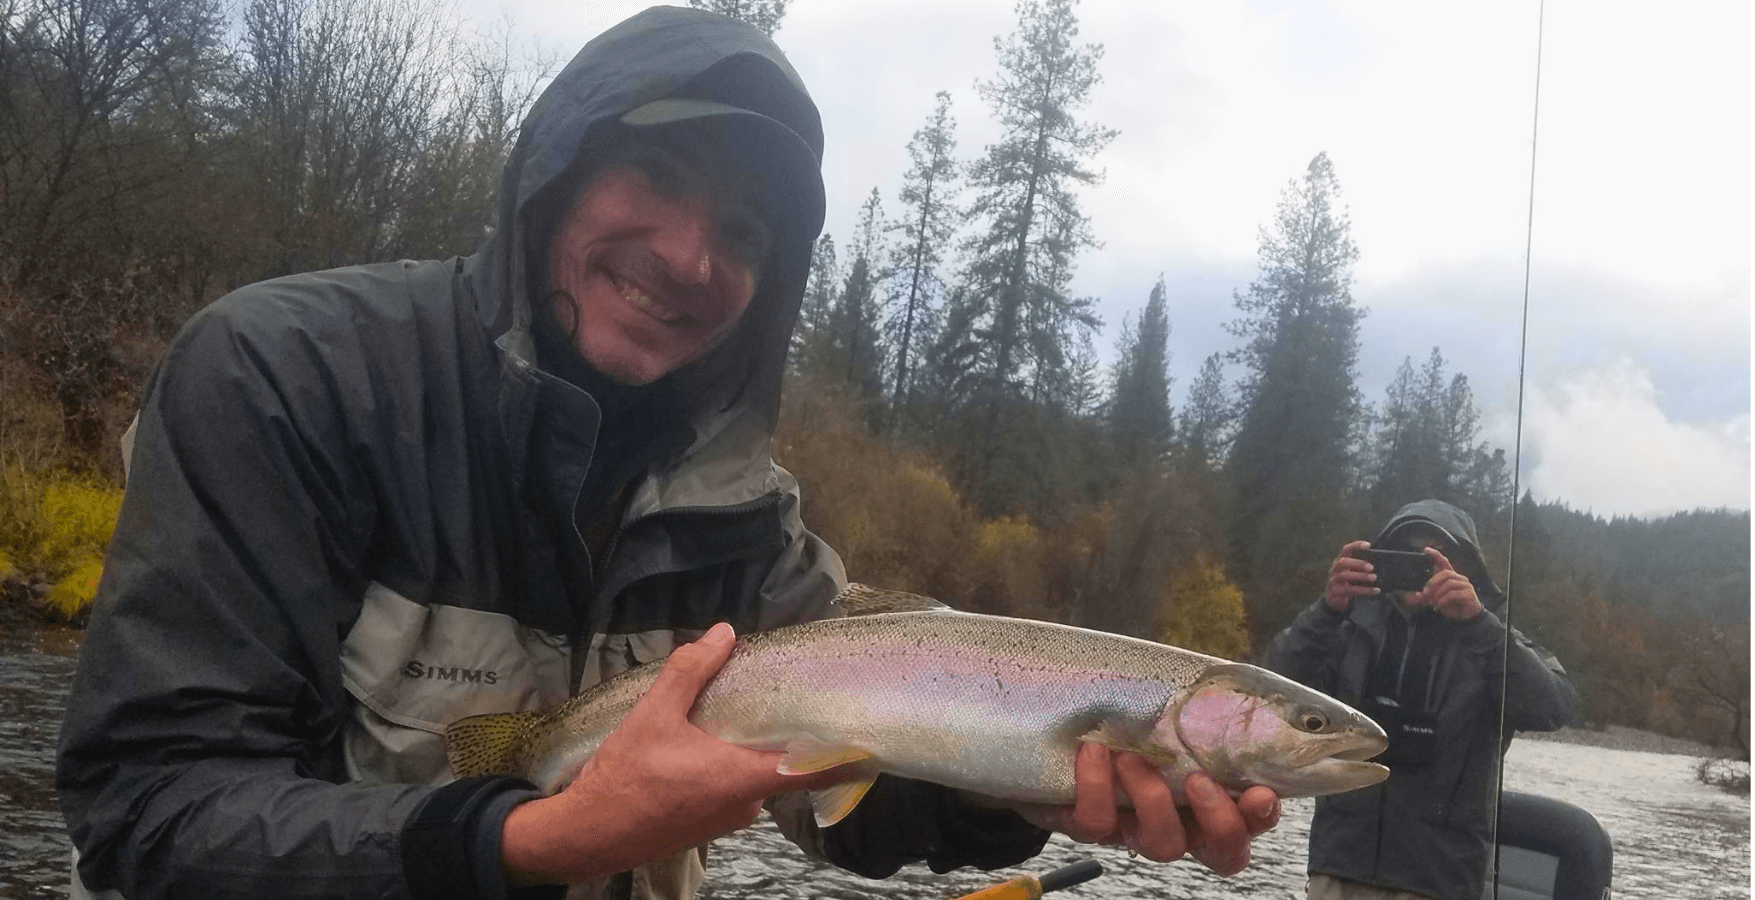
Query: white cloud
1599, 441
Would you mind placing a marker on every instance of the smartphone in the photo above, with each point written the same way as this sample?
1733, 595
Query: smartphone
1400, 570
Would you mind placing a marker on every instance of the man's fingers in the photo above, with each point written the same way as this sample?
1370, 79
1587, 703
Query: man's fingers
1094, 814
691, 666
1260, 807
1157, 834
1439, 559
1223, 841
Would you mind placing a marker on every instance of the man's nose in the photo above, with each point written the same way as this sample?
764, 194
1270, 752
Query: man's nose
686, 240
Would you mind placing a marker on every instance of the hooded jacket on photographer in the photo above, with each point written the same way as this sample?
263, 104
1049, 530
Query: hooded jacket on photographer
1427, 829
362, 504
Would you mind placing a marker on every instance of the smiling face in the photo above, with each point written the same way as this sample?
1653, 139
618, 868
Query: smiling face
655, 261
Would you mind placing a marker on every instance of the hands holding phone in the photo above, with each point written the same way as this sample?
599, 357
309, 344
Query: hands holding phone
1354, 574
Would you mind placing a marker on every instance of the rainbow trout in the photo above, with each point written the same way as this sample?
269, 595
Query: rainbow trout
984, 703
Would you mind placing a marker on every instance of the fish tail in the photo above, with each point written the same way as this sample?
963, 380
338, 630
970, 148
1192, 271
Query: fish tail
486, 744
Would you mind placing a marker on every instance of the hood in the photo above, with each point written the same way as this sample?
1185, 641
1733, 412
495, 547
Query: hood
664, 53
1461, 529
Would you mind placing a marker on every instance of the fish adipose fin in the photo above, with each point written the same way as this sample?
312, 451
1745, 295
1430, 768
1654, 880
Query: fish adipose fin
832, 804
1109, 736
482, 745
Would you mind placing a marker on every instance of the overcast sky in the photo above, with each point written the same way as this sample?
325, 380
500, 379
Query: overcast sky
1636, 394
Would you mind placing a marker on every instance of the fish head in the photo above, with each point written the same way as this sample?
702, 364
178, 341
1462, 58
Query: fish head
1245, 726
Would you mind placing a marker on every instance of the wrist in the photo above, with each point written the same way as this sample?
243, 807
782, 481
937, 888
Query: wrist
535, 845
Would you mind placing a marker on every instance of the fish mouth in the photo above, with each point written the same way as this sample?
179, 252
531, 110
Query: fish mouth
1331, 776
1360, 754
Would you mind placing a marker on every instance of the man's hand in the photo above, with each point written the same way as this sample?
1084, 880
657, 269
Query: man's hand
658, 785
1449, 592
1214, 828
1349, 577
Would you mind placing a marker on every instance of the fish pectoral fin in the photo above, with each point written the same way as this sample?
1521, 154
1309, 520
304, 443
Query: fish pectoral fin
806, 757
832, 804
1109, 736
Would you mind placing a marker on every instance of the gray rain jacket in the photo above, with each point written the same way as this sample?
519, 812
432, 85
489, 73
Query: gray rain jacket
1428, 828
354, 516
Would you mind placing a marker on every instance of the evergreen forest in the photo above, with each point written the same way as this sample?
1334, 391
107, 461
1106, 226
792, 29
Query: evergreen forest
948, 412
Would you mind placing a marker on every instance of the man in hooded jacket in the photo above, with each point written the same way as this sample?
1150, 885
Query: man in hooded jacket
1433, 668
365, 503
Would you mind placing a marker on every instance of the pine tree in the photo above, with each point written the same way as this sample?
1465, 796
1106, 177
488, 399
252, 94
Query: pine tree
813, 338
1015, 312
859, 357
1139, 408
1084, 391
1204, 426
929, 220
1427, 445
763, 14
1290, 466
1407, 464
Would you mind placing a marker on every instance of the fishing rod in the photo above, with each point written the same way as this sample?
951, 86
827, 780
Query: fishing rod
1517, 440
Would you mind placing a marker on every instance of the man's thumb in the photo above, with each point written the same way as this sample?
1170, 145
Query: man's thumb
691, 666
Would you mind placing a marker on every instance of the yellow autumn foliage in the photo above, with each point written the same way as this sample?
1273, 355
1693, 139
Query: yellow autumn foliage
894, 517
75, 592
1005, 570
891, 514
1203, 611
55, 526
80, 516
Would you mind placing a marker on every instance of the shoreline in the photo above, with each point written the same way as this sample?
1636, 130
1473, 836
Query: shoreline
1622, 737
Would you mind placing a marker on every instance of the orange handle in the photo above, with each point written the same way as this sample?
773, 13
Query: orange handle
1028, 887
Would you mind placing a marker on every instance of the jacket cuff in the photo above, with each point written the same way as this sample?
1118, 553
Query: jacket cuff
451, 844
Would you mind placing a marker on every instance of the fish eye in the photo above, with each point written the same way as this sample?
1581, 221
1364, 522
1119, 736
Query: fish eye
1312, 721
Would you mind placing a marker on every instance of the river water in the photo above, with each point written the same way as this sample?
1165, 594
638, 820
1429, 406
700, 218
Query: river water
1672, 836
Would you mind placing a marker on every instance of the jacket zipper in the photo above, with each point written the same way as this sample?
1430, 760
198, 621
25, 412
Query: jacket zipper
600, 567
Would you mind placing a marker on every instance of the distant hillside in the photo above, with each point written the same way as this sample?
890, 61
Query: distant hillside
1692, 565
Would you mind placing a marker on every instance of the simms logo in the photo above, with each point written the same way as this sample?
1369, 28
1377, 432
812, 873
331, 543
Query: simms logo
418, 669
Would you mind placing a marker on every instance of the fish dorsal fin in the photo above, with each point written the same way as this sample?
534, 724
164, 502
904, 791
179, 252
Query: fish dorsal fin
483, 745
806, 757
833, 803
1107, 734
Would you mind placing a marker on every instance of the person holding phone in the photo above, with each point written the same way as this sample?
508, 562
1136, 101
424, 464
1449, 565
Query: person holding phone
1409, 630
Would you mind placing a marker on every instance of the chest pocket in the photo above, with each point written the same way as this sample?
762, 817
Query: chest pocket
414, 668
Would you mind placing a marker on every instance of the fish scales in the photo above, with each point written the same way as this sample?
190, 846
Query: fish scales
987, 703
953, 699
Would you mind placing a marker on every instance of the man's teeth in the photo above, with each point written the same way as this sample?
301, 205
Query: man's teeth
651, 307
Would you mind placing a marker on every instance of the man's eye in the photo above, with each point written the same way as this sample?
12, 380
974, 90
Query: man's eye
747, 236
